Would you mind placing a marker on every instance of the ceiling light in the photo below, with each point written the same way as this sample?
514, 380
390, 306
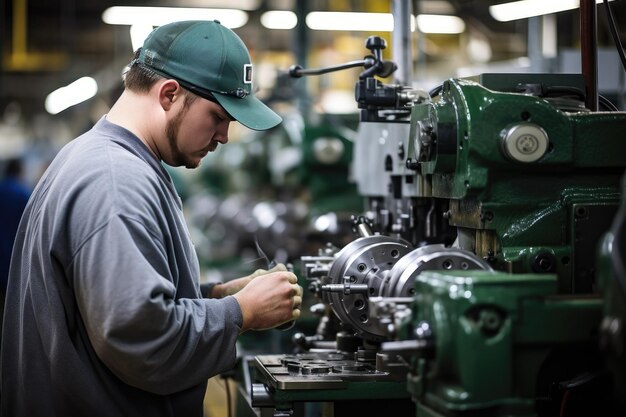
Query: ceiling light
529, 8
80, 90
432, 23
225, 4
138, 34
381, 22
352, 21
157, 16
279, 19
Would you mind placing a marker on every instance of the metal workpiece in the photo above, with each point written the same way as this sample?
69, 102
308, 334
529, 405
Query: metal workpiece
363, 263
401, 278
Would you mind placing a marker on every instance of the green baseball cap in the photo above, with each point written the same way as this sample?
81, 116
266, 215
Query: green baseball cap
211, 61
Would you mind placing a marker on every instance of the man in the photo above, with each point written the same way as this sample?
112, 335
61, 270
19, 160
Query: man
14, 196
104, 313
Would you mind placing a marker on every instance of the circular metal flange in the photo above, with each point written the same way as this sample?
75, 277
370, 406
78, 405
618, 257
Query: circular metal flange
366, 260
428, 258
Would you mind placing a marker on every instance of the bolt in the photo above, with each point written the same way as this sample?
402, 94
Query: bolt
412, 165
544, 262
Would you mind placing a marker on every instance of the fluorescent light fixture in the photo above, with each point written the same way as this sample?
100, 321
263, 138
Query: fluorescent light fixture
529, 8
157, 16
80, 90
138, 34
382, 22
225, 4
351, 21
434, 23
279, 19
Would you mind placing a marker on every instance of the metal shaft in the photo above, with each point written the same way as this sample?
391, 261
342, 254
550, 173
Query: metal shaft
589, 51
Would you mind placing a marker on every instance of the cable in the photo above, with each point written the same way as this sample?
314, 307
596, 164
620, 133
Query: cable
565, 90
607, 103
435, 91
563, 407
613, 28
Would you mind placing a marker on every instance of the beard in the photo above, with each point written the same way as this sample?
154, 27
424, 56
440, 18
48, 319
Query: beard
171, 130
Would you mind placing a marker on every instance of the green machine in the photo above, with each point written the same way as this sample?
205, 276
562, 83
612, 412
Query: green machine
612, 281
474, 286
532, 180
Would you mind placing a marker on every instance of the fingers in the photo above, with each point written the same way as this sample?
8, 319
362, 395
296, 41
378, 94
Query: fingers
297, 301
274, 298
259, 272
296, 312
278, 267
293, 279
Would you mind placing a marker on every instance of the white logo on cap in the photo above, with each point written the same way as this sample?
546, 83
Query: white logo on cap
247, 73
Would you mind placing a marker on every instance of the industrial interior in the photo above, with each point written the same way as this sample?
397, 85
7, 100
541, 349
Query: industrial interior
448, 184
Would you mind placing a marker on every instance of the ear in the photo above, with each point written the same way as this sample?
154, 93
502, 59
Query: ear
169, 91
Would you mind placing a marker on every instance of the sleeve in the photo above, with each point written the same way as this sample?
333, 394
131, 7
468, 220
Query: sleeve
206, 288
138, 328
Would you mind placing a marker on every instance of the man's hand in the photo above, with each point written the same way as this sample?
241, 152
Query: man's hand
234, 286
270, 300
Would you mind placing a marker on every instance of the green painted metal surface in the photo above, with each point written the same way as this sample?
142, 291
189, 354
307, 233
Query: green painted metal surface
494, 333
523, 205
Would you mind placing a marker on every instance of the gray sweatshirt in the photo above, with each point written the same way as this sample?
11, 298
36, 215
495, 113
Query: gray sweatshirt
104, 315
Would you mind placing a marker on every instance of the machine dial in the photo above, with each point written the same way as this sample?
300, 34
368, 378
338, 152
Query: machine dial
524, 142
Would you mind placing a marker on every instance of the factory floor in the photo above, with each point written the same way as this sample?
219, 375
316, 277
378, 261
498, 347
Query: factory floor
215, 399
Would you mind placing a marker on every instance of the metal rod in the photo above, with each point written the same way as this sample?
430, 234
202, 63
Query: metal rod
401, 46
589, 51
297, 71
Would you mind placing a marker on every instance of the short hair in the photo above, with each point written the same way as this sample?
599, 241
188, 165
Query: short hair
139, 78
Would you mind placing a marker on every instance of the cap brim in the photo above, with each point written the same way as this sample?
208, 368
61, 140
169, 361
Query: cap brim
249, 111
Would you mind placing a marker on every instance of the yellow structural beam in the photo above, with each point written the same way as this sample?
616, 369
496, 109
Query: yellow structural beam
20, 59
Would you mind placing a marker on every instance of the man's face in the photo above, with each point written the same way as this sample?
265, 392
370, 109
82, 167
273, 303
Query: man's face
195, 130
